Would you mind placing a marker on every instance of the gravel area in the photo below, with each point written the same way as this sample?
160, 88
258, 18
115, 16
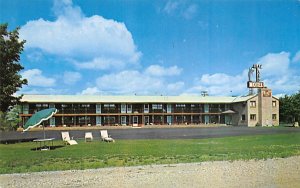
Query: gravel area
282, 172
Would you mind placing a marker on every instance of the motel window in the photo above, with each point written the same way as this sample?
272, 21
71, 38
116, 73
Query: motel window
146, 108
180, 105
156, 106
25, 108
243, 117
274, 103
274, 117
45, 105
38, 105
129, 108
252, 116
64, 105
84, 119
123, 108
109, 120
253, 104
85, 105
109, 105
108, 108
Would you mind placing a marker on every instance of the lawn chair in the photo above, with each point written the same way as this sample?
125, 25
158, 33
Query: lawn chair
105, 136
88, 137
66, 138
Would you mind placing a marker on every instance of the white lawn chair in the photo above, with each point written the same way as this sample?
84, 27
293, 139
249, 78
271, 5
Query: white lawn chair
105, 136
66, 138
88, 137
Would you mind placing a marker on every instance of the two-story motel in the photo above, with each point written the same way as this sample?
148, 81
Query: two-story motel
261, 109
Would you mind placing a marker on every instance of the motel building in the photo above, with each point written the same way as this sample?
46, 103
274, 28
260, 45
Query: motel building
261, 109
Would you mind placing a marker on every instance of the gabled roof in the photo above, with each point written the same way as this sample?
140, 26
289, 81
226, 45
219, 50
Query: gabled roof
129, 99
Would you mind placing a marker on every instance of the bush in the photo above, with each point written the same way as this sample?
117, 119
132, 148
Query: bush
4, 124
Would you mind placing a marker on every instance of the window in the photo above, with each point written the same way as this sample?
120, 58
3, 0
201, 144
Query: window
123, 108
274, 104
85, 105
108, 108
109, 105
243, 117
84, 119
146, 108
38, 105
109, 120
252, 116
25, 108
274, 117
129, 108
156, 106
180, 105
253, 104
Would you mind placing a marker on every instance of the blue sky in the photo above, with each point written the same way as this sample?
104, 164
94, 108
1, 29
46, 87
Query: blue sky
178, 47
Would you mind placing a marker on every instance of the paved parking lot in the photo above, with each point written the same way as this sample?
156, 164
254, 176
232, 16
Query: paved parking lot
154, 133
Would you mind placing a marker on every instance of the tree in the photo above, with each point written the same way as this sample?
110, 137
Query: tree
289, 109
11, 119
10, 80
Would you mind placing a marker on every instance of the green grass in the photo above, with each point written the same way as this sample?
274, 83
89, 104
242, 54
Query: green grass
16, 158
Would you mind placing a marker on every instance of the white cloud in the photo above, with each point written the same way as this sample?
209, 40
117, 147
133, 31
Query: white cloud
157, 70
171, 6
181, 8
177, 86
190, 12
129, 82
35, 78
276, 73
275, 64
218, 79
296, 58
71, 78
39, 90
100, 64
219, 84
90, 91
73, 35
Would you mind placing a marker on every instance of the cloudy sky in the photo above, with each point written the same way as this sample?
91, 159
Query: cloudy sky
179, 47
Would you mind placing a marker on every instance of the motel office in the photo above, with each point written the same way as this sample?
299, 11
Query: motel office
74, 110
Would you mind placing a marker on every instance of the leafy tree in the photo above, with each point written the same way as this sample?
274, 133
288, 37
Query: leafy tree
11, 119
10, 80
289, 109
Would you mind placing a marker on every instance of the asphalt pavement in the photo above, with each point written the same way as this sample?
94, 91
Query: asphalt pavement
151, 133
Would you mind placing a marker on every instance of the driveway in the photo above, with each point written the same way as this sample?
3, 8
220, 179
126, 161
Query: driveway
153, 133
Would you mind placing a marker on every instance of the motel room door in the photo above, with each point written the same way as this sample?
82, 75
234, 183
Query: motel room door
135, 121
123, 120
146, 120
98, 120
169, 108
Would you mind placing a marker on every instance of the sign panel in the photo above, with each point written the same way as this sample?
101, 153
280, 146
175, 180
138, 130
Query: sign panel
255, 84
267, 93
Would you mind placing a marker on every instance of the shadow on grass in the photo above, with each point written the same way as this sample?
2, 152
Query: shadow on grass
44, 148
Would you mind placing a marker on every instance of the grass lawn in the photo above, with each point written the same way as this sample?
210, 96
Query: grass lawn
16, 158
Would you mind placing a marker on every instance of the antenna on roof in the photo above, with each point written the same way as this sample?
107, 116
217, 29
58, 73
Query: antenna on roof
204, 93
